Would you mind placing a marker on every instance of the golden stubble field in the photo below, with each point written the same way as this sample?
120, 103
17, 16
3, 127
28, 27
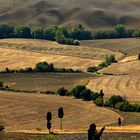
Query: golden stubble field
49, 47
125, 80
127, 86
130, 46
16, 59
28, 52
17, 53
27, 111
21, 111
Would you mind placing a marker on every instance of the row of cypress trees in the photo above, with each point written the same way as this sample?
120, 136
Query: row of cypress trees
49, 118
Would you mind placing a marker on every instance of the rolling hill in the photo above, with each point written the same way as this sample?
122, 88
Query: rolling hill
28, 112
29, 52
92, 14
124, 81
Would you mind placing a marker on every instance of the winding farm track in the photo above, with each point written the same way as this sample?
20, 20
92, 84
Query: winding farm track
21, 111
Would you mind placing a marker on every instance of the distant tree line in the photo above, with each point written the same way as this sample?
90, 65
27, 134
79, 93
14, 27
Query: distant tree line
63, 35
40, 67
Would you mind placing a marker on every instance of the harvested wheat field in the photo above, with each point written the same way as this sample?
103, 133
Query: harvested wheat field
28, 111
127, 86
49, 47
127, 67
129, 46
16, 59
45, 81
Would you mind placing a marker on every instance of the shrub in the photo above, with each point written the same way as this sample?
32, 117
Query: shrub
99, 101
115, 99
6, 31
109, 59
1, 84
136, 107
119, 105
62, 91
1, 128
106, 103
127, 107
139, 56
23, 31
121, 30
69, 41
79, 32
135, 33
86, 94
76, 91
44, 67
38, 33
95, 96
76, 42
102, 65
92, 69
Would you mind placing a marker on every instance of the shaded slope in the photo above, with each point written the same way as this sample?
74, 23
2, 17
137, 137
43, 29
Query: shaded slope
91, 13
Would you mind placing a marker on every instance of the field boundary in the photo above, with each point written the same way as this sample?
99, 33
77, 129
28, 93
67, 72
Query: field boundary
108, 129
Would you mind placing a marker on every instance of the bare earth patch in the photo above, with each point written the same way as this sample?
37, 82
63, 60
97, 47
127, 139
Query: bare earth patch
45, 81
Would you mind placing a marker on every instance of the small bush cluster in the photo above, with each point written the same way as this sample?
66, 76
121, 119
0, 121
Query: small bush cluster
81, 92
121, 104
62, 92
1, 127
40, 67
139, 56
108, 60
92, 69
1, 84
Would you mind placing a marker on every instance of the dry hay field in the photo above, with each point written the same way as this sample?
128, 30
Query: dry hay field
50, 47
127, 86
29, 52
125, 80
21, 111
130, 46
25, 59
45, 81
128, 67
